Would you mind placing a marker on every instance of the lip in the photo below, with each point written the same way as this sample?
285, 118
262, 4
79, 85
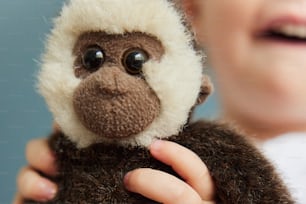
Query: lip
283, 12
273, 22
283, 20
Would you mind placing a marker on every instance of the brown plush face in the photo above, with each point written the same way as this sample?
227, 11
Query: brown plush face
113, 100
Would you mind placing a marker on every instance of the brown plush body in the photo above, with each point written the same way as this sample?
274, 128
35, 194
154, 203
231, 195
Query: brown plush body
95, 174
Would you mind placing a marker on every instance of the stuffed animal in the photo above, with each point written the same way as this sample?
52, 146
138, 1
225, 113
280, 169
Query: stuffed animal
119, 74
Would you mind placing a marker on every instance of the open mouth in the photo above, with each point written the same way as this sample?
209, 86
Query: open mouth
286, 33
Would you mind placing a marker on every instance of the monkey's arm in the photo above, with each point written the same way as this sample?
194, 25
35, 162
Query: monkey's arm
240, 172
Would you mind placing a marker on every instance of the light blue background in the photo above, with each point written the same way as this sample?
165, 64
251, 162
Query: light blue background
23, 114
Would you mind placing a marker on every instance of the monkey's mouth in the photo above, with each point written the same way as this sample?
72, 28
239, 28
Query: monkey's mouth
108, 94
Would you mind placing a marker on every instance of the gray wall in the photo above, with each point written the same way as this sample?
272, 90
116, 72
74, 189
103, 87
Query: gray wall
23, 114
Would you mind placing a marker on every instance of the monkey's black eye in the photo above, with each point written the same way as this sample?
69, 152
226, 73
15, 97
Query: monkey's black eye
93, 58
134, 59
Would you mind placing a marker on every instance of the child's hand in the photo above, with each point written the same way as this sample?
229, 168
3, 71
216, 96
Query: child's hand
30, 184
197, 187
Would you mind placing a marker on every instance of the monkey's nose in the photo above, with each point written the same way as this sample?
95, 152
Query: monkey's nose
111, 81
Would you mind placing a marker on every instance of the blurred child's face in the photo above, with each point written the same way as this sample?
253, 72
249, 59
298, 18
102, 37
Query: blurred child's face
258, 51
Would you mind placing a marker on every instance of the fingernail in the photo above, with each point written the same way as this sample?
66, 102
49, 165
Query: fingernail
156, 145
127, 179
48, 189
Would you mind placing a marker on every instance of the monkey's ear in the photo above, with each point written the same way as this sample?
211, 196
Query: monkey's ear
56, 127
206, 89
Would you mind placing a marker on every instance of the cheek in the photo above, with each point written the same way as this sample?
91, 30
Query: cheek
231, 64
227, 33
285, 80
224, 18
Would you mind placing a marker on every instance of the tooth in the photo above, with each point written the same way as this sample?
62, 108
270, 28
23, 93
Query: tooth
288, 30
292, 30
301, 32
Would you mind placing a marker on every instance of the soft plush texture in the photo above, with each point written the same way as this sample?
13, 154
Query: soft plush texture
111, 102
57, 81
288, 153
95, 174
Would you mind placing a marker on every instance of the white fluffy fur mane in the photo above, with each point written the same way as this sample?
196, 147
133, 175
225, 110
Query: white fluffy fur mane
176, 79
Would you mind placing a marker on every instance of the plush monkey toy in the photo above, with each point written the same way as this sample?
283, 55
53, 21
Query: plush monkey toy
119, 74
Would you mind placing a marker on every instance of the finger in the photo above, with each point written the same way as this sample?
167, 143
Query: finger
32, 186
40, 156
161, 187
17, 199
188, 165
